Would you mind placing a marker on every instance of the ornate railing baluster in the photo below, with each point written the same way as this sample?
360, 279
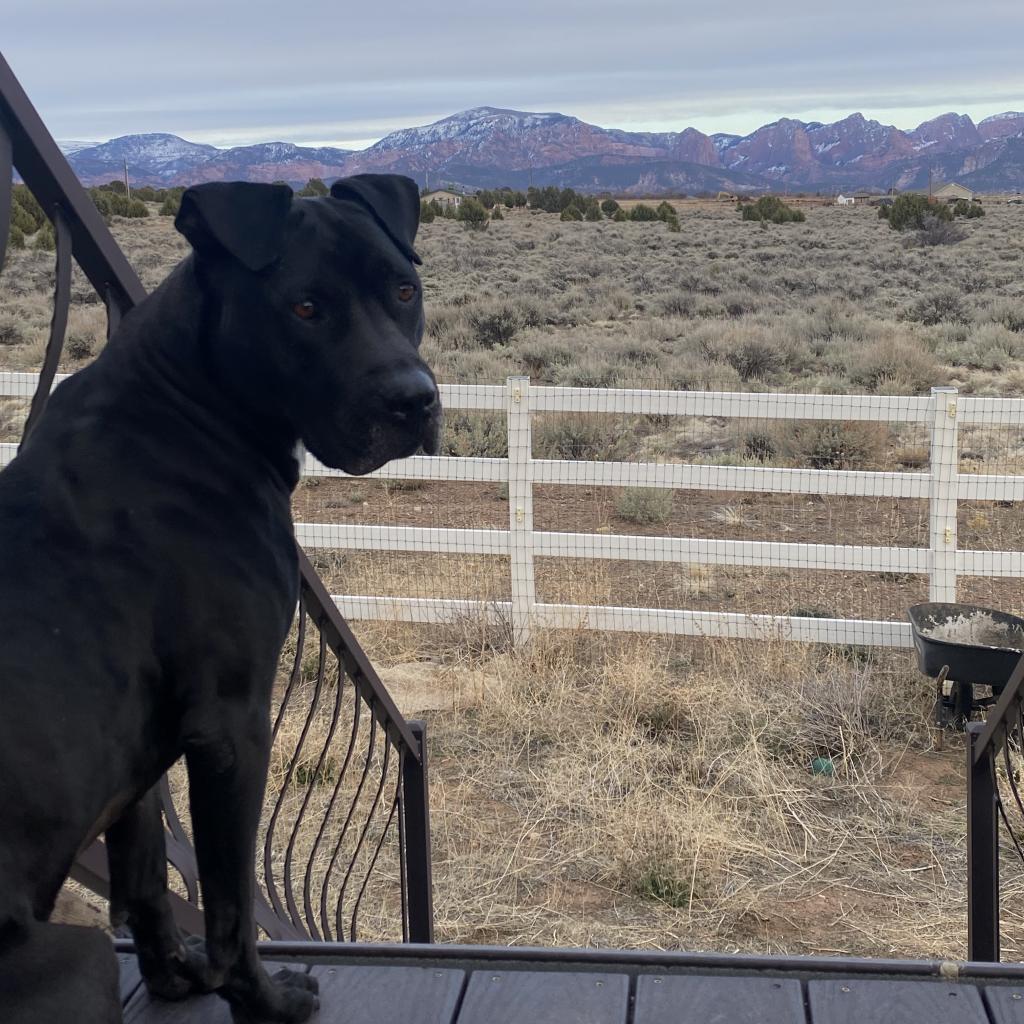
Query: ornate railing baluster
59, 321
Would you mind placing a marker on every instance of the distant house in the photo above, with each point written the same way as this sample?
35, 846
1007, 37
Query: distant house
845, 200
951, 192
863, 198
726, 197
443, 198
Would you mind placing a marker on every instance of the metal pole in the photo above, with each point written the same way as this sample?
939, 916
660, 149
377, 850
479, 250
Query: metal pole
416, 806
982, 851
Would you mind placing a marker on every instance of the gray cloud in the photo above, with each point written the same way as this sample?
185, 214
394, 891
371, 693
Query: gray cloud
229, 71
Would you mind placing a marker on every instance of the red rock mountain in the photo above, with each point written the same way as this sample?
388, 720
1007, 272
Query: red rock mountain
487, 147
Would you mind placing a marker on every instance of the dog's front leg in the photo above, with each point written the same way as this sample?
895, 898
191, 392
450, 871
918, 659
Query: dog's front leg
227, 771
137, 854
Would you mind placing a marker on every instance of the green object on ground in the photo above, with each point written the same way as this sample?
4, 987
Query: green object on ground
823, 766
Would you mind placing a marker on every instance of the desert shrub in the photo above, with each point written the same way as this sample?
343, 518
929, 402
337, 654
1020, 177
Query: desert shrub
541, 356
1006, 312
754, 359
496, 213
571, 213
939, 307
644, 505
590, 373
472, 215
909, 211
12, 329
936, 231
427, 213
665, 210
990, 347
643, 212
620, 215
963, 208
760, 445
609, 207
593, 213
45, 239
313, 187
23, 220
580, 437
771, 209
170, 206
29, 205
473, 435
16, 237
895, 365
494, 324
833, 445
675, 304
78, 346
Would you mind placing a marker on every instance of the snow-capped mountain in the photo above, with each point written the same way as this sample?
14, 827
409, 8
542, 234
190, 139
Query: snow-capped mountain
1007, 125
162, 159
487, 147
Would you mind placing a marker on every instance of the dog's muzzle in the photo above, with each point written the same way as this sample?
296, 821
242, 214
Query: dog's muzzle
414, 406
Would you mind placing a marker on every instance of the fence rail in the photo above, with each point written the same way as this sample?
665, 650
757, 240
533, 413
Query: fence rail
941, 484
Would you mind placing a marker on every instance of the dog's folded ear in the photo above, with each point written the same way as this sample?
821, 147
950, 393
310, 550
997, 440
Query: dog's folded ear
394, 201
241, 218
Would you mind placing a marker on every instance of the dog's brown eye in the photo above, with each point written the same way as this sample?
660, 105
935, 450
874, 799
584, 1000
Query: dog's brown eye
406, 292
304, 310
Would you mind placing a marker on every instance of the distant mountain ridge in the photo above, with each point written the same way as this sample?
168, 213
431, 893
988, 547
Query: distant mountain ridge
487, 147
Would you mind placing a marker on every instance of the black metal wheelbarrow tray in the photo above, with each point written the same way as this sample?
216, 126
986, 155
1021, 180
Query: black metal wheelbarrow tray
962, 646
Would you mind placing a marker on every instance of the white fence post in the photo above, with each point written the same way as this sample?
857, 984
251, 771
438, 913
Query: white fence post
520, 506
942, 506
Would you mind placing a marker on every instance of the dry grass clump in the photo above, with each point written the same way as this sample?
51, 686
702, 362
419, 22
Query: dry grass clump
632, 792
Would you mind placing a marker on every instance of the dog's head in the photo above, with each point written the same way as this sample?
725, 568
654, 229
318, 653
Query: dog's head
315, 313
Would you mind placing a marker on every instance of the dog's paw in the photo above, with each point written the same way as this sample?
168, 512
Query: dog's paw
294, 999
186, 973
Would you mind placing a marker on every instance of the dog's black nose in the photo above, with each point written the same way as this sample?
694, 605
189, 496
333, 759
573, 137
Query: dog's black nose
412, 395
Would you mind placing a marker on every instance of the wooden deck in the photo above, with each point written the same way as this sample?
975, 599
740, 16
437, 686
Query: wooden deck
484, 985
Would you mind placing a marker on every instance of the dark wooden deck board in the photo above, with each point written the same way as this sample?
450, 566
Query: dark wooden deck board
130, 978
1005, 1003
211, 1009
859, 1001
374, 995
490, 985
696, 999
545, 997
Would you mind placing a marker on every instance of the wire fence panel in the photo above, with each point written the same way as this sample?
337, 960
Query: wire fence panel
714, 513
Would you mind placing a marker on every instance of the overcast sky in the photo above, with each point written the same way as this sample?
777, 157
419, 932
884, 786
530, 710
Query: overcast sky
346, 73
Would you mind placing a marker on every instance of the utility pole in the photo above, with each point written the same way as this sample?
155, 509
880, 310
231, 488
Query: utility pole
127, 187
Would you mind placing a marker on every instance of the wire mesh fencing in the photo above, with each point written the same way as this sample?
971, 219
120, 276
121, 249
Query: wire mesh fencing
816, 517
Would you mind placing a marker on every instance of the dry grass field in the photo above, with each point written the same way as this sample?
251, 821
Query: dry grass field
644, 792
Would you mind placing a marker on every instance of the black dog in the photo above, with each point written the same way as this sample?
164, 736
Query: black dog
148, 573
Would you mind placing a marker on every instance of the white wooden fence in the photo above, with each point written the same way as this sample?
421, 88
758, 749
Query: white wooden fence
941, 485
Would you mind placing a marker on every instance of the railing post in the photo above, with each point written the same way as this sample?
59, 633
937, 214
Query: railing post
942, 499
982, 852
416, 808
520, 506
